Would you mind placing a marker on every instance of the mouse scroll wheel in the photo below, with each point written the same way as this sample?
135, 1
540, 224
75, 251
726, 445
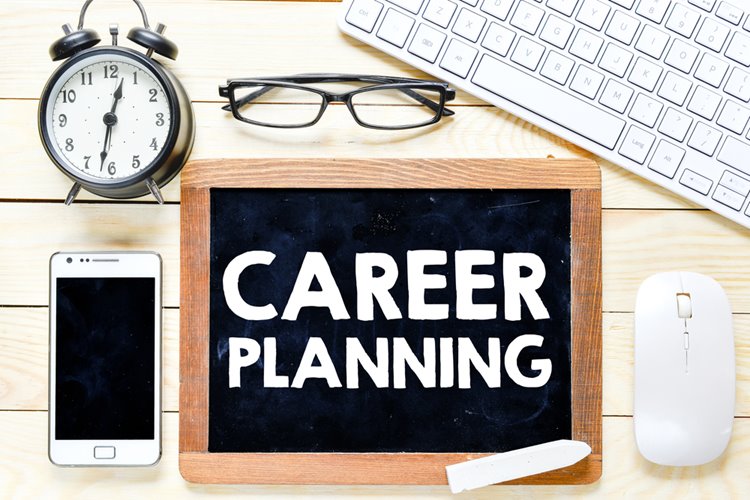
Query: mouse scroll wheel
684, 306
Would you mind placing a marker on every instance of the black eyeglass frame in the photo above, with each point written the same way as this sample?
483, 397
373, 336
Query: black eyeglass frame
298, 82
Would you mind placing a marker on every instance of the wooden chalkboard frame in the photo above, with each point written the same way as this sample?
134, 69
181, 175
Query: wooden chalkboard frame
582, 177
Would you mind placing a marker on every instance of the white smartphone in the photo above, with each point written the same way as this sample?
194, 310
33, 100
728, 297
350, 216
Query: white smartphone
105, 359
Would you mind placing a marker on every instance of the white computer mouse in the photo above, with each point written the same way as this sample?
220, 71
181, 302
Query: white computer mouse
684, 369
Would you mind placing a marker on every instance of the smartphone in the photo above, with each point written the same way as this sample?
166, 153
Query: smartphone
105, 359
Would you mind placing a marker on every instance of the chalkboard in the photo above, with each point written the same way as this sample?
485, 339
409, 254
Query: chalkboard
351, 319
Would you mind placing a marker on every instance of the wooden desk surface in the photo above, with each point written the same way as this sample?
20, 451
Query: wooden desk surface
646, 230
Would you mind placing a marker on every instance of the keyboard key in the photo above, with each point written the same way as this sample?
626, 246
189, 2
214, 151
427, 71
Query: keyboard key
729, 13
497, 8
551, 102
564, 7
704, 139
586, 81
696, 182
652, 42
527, 53
712, 34
616, 96
586, 46
645, 74
469, 25
735, 154
683, 20
729, 198
473, 3
704, 103
615, 60
675, 124
440, 12
645, 110
681, 56
593, 13
527, 17
622, 27
653, 9
364, 14
738, 84
739, 49
458, 58
711, 70
427, 43
735, 183
628, 4
395, 27
734, 117
412, 6
556, 31
674, 88
637, 144
498, 39
666, 159
557, 67
706, 5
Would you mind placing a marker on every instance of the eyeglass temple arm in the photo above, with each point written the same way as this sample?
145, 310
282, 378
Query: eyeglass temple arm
249, 97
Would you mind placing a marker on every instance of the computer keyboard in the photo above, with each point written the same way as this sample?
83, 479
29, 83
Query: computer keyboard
658, 87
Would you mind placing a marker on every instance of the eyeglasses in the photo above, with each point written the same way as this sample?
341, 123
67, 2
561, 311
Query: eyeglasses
390, 103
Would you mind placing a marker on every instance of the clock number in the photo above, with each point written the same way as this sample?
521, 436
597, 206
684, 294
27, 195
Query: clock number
63, 120
153, 144
69, 145
159, 119
135, 78
86, 165
69, 96
113, 71
86, 78
153, 93
111, 168
136, 161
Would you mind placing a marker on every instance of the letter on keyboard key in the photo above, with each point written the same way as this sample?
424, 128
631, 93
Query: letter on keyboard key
739, 49
556, 31
696, 182
364, 14
735, 154
395, 27
545, 100
527, 17
615, 60
586, 46
674, 88
738, 84
637, 144
557, 68
681, 56
666, 159
616, 96
458, 58
412, 6
704, 139
439, 12
734, 117
468, 25
645, 74
528, 53
586, 81
498, 39
593, 13
623, 27
652, 41
711, 70
427, 43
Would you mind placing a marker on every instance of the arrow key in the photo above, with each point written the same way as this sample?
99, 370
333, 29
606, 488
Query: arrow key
667, 158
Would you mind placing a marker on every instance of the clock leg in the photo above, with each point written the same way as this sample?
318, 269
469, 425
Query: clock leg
155, 190
73, 193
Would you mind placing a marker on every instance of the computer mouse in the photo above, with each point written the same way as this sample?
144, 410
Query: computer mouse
684, 369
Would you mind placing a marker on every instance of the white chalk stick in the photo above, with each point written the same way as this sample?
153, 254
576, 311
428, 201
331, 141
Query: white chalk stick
515, 464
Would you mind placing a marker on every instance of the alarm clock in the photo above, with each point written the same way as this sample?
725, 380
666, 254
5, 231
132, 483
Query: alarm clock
114, 120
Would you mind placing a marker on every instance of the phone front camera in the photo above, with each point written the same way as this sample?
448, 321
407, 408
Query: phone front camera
69, 260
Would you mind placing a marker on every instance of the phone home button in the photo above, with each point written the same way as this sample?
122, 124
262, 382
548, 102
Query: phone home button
104, 452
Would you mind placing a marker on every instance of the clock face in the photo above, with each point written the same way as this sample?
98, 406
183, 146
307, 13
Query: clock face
108, 118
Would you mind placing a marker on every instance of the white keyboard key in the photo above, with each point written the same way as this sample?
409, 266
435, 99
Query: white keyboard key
628, 4
739, 49
458, 58
735, 183
527, 17
395, 27
729, 198
675, 124
712, 34
615, 60
645, 74
653, 9
622, 27
527, 53
652, 41
412, 6
729, 13
542, 98
734, 117
469, 25
427, 43
645, 110
666, 159
706, 5
695, 181
704, 103
711, 70
557, 67
593, 13
674, 88
364, 14
586, 45
616, 96
497, 8
681, 56
440, 12
704, 139
586, 81
556, 31
738, 84
564, 7
735, 154
498, 39
637, 144
683, 20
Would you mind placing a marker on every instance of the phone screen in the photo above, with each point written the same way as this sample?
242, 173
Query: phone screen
105, 358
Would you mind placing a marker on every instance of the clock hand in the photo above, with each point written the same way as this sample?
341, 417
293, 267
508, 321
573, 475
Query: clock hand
110, 120
117, 96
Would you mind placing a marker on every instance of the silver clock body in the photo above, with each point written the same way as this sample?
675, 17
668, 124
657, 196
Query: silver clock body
111, 119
